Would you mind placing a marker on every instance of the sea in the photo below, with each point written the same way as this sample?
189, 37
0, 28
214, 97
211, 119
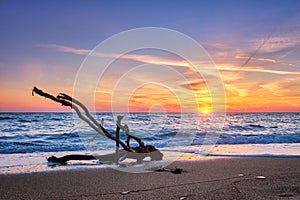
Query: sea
28, 139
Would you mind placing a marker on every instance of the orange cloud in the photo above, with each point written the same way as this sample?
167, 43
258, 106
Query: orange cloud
146, 97
256, 69
245, 91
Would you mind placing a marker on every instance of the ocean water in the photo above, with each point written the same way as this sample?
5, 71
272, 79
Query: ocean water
27, 139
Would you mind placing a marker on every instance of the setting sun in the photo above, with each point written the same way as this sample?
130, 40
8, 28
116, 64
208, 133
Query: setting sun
205, 110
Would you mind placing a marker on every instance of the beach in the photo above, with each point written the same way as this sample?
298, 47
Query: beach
150, 100
221, 178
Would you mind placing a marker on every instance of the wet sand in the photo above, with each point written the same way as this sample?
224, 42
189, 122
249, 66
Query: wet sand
230, 178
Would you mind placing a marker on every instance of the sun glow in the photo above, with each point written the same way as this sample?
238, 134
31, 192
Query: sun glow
205, 110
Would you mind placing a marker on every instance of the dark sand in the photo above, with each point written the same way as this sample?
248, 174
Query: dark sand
212, 179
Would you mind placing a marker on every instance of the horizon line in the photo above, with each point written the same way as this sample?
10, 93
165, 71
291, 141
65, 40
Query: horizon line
148, 112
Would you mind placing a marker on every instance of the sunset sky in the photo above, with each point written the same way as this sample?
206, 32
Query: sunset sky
254, 44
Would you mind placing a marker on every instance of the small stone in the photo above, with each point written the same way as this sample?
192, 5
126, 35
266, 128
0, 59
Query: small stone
124, 193
260, 177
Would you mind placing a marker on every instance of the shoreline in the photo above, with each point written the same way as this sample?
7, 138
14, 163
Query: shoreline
222, 178
36, 162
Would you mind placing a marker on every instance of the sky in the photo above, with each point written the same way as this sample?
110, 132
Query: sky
255, 46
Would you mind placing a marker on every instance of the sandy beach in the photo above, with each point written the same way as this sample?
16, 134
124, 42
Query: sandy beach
230, 178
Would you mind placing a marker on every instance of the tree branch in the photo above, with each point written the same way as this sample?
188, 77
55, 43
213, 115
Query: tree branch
66, 100
125, 128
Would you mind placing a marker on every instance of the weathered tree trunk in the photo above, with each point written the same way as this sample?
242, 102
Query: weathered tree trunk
138, 153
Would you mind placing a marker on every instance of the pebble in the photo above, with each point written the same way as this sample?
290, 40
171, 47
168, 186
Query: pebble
260, 177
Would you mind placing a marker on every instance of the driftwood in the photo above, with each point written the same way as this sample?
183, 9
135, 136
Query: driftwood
110, 158
138, 153
65, 159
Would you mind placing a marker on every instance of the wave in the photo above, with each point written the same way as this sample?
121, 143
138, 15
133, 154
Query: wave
250, 155
56, 119
250, 139
38, 132
7, 118
25, 120
32, 147
256, 126
249, 127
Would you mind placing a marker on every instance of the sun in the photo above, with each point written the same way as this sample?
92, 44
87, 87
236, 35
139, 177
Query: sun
205, 110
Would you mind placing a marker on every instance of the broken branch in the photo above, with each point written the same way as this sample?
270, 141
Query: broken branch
66, 100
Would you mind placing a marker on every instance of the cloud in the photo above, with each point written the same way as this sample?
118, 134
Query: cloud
258, 55
277, 44
196, 85
66, 49
182, 66
288, 87
140, 96
137, 57
150, 59
257, 69
273, 88
217, 47
264, 61
236, 91
229, 76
